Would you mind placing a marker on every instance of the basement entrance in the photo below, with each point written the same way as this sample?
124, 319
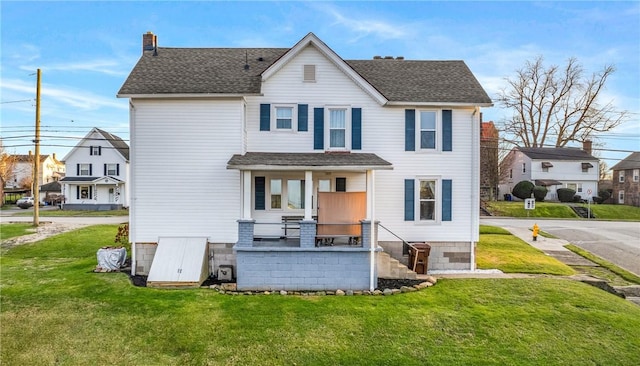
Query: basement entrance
179, 262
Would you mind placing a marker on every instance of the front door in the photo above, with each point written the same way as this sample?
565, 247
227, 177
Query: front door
111, 195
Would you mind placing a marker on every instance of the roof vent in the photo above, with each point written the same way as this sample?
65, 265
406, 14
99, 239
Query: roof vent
388, 57
400, 58
377, 57
260, 59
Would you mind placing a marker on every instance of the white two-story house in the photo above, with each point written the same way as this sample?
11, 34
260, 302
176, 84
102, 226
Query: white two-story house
298, 167
553, 168
97, 173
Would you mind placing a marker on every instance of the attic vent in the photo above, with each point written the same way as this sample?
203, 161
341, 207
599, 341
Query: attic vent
309, 73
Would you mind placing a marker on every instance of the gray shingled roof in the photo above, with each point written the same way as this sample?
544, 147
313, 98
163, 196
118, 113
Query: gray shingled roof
200, 71
222, 71
254, 159
556, 153
422, 81
630, 162
117, 143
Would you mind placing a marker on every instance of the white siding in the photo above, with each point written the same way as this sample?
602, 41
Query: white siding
383, 134
181, 185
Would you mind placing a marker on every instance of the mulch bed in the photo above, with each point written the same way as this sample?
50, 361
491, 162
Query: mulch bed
383, 283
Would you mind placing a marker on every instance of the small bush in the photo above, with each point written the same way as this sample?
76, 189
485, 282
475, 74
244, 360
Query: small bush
577, 198
604, 194
523, 189
539, 193
565, 194
597, 200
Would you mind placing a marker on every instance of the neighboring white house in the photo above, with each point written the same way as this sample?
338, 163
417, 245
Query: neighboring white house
254, 138
553, 168
97, 173
50, 170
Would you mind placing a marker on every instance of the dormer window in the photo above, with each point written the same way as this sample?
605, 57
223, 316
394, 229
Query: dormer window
309, 73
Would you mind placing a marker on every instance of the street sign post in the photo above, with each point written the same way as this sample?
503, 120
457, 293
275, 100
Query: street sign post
529, 204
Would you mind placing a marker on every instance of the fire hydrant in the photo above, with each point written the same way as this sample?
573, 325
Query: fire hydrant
535, 232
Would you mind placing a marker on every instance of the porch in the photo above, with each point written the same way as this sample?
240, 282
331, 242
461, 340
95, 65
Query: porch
300, 231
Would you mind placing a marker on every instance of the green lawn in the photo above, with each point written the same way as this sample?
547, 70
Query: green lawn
615, 212
623, 273
56, 311
12, 230
75, 213
499, 249
562, 210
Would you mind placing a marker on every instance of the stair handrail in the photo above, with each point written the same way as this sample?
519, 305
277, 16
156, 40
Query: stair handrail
405, 244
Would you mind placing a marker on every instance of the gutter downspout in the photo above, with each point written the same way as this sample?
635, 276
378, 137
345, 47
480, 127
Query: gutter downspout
132, 189
475, 186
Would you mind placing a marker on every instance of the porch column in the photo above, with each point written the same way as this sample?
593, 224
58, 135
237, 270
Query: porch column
308, 194
245, 178
371, 229
370, 194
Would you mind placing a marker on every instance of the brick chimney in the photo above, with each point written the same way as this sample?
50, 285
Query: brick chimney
148, 41
586, 146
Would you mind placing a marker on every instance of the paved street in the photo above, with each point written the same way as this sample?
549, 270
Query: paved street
615, 241
8, 216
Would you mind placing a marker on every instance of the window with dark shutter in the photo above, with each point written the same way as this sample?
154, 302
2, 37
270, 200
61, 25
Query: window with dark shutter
265, 117
318, 128
410, 130
356, 128
259, 189
409, 203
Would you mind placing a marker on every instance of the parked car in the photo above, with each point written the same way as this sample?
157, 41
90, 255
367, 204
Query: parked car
25, 202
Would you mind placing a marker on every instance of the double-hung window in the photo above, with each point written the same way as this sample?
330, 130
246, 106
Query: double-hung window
337, 128
428, 130
621, 176
284, 117
84, 169
112, 169
427, 200
636, 175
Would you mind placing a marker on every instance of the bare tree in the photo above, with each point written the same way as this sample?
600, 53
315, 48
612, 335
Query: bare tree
7, 165
554, 106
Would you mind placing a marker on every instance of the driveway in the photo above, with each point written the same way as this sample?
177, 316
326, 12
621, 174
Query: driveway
616, 241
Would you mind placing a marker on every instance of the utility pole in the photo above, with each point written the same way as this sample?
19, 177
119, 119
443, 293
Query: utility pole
36, 162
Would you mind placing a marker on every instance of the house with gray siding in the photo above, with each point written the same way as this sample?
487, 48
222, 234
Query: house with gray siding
553, 168
300, 170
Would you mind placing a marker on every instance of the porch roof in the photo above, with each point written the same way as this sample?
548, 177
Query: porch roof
85, 179
345, 161
547, 182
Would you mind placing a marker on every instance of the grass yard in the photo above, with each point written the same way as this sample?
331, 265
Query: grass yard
615, 212
12, 230
74, 213
56, 311
499, 249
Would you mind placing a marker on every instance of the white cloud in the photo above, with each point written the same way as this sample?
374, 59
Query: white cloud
362, 28
107, 66
80, 99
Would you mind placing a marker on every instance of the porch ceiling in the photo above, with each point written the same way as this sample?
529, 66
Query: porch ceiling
344, 161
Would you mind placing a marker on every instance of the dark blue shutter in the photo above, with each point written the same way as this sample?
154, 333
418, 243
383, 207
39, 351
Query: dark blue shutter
105, 169
318, 128
90, 192
356, 128
303, 117
447, 131
446, 200
90, 169
409, 200
77, 169
118, 169
90, 150
77, 192
259, 193
99, 150
410, 130
265, 117
341, 184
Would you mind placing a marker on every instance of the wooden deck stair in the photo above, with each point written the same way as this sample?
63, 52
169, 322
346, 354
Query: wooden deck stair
391, 268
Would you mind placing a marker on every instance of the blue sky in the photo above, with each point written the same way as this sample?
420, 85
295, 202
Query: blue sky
86, 50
